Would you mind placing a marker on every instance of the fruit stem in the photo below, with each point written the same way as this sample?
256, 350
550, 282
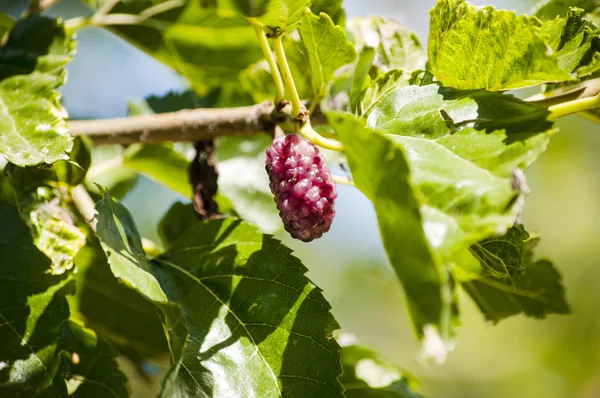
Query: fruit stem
575, 106
264, 46
287, 76
310, 134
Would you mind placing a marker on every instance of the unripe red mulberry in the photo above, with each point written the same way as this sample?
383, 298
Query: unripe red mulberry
303, 187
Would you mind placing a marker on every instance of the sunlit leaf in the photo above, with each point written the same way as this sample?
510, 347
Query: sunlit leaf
33, 309
32, 68
380, 169
550, 9
481, 47
327, 49
257, 325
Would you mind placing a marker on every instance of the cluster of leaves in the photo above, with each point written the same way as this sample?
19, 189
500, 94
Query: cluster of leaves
429, 136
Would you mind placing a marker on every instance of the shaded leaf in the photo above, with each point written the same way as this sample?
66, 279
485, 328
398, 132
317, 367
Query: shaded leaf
571, 38
257, 325
481, 47
327, 49
243, 180
531, 287
122, 245
174, 223
333, 8
115, 311
380, 169
33, 309
32, 68
94, 372
258, 82
365, 375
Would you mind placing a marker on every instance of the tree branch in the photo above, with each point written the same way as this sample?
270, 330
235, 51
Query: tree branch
184, 125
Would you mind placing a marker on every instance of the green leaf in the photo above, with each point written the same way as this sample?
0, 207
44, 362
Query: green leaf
161, 163
33, 309
571, 38
95, 372
46, 207
6, 23
472, 187
395, 46
550, 9
433, 112
243, 180
365, 375
381, 171
475, 48
122, 245
257, 325
502, 278
208, 50
115, 311
380, 88
174, 223
32, 68
360, 78
327, 49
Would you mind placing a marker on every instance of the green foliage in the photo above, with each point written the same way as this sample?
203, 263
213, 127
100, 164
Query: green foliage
32, 62
33, 309
327, 49
430, 139
44, 202
473, 48
503, 279
95, 372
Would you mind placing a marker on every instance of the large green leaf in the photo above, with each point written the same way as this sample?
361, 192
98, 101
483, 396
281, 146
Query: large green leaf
175, 221
571, 38
32, 68
33, 309
367, 376
115, 311
95, 372
473, 48
327, 49
208, 50
257, 325
502, 278
243, 180
380, 169
466, 178
123, 247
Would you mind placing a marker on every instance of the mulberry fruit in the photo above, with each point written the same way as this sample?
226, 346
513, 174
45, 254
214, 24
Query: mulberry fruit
303, 187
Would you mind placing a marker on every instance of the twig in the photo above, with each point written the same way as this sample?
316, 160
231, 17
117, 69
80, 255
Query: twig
184, 125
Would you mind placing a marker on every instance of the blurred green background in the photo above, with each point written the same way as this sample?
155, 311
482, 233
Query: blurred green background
555, 358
